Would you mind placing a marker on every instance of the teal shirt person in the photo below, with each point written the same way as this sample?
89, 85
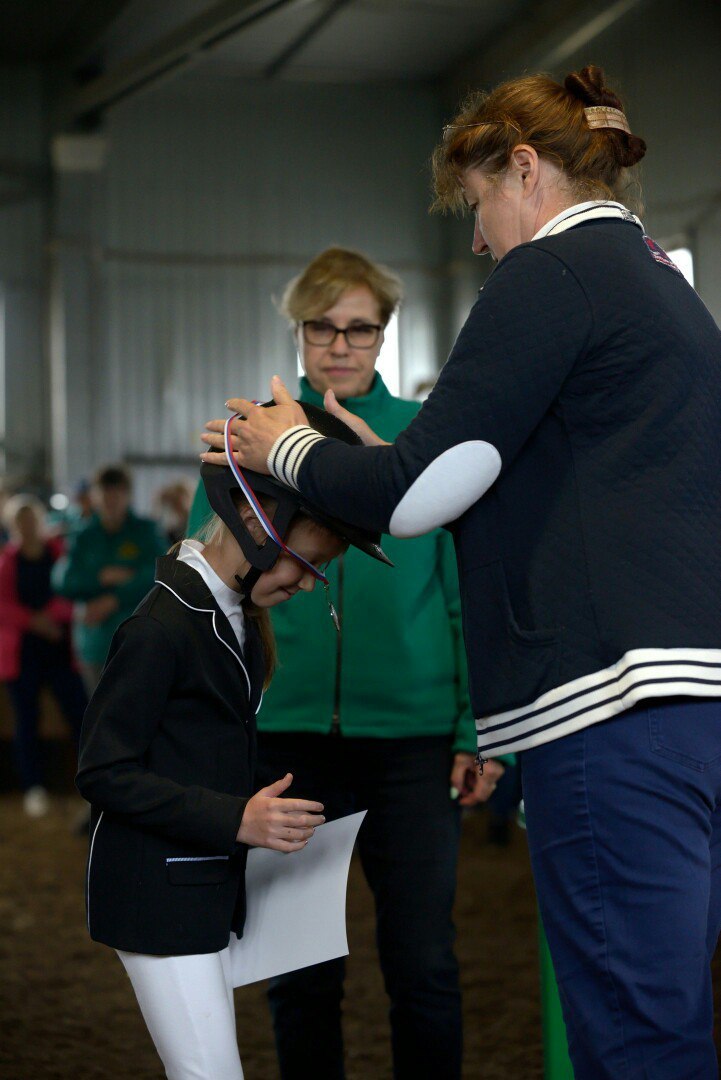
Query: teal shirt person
397, 669
134, 546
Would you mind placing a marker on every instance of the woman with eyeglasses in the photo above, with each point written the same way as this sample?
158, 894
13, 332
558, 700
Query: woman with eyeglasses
572, 445
383, 723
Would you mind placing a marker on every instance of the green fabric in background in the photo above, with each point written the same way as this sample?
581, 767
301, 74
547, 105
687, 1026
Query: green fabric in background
556, 1062
402, 661
136, 545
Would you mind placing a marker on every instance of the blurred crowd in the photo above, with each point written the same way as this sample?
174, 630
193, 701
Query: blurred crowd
69, 575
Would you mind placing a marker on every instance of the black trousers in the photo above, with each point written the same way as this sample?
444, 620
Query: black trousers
408, 846
42, 668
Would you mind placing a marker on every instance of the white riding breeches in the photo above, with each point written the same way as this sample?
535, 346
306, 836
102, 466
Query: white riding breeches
187, 1005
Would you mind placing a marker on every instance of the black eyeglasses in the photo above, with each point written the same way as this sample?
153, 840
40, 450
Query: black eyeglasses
357, 336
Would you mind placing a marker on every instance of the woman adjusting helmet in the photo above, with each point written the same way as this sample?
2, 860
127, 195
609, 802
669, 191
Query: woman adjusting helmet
223, 485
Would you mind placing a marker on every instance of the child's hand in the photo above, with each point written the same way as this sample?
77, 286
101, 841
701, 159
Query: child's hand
281, 824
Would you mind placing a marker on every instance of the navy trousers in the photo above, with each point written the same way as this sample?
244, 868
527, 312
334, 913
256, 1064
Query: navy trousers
624, 829
24, 692
408, 845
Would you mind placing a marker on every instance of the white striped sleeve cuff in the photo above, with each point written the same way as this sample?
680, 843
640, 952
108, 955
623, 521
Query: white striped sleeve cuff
288, 452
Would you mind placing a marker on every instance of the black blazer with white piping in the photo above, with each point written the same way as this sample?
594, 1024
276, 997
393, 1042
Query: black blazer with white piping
167, 756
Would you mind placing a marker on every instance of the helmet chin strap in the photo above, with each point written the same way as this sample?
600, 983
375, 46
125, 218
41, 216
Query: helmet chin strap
260, 514
247, 583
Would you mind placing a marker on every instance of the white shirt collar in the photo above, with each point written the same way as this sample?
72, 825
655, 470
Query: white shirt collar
191, 552
593, 210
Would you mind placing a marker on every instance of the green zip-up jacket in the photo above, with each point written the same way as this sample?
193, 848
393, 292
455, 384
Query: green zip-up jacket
136, 545
398, 667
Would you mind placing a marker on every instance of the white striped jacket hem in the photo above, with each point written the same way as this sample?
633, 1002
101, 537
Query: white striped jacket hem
638, 675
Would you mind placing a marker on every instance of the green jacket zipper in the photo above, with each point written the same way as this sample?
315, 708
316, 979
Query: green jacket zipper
335, 722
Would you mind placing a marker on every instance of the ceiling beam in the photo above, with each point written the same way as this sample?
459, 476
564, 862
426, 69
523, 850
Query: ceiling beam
315, 26
541, 38
88, 25
166, 56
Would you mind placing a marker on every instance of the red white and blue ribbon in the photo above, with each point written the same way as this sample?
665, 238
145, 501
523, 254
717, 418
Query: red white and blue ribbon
265, 522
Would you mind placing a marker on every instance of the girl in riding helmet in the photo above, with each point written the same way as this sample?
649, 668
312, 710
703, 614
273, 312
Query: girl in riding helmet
167, 758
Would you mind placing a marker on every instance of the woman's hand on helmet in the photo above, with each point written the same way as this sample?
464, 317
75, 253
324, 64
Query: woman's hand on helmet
362, 430
254, 436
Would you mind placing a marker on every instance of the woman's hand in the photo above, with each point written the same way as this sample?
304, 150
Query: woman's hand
362, 430
99, 610
253, 437
110, 576
472, 785
280, 824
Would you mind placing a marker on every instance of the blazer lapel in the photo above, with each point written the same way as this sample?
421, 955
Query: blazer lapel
255, 663
187, 584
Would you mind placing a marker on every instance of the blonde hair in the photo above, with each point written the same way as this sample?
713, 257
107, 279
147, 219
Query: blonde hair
551, 118
214, 531
16, 504
329, 275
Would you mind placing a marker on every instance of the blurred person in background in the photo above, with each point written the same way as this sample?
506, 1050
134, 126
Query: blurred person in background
109, 567
173, 502
4, 535
78, 511
35, 647
384, 722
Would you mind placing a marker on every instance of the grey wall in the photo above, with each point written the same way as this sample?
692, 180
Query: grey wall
154, 291
214, 194
23, 201
664, 60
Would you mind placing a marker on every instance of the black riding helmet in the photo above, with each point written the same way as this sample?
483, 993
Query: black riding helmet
220, 485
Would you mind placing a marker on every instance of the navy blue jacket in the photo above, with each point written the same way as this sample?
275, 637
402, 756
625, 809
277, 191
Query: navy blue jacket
167, 757
574, 441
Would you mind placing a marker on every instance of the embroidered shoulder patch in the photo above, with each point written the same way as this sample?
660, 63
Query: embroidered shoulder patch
660, 255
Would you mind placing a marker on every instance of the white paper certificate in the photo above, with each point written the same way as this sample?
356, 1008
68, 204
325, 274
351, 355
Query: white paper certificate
295, 905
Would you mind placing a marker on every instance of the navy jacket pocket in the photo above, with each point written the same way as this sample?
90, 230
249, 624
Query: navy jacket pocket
198, 870
512, 665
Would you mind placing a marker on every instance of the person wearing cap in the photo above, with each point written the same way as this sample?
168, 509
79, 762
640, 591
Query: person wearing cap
167, 759
383, 723
571, 444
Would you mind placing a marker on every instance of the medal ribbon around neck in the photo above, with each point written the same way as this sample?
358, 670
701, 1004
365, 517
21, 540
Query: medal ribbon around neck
258, 510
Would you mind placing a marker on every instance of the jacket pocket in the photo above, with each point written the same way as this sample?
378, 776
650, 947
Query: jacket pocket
198, 870
509, 666
685, 732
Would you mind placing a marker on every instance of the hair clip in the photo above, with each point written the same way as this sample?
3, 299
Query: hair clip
603, 116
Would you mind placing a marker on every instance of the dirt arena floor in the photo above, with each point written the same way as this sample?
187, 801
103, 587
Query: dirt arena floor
67, 1009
